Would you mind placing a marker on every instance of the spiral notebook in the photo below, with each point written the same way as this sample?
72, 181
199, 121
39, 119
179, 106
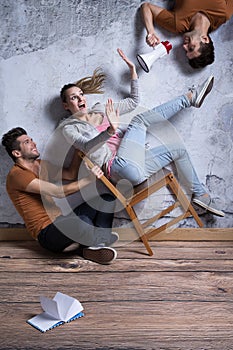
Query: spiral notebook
57, 311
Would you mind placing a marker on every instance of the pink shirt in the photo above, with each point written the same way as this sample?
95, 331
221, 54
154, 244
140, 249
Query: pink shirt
113, 142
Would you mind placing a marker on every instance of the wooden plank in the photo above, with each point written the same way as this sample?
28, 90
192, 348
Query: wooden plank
162, 325
171, 234
181, 298
75, 265
9, 234
115, 286
166, 250
184, 234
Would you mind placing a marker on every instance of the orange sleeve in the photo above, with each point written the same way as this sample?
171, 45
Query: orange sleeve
166, 20
20, 178
229, 9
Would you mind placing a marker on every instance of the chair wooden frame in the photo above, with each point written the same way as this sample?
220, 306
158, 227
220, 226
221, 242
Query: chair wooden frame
164, 178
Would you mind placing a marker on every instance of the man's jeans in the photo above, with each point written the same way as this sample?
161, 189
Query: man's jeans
90, 224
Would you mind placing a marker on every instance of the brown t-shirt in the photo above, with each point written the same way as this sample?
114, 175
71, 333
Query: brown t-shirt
178, 20
36, 210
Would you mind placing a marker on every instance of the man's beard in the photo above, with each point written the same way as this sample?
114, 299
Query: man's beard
32, 156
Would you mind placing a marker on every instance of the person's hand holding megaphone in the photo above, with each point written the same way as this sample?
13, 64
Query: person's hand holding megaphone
152, 39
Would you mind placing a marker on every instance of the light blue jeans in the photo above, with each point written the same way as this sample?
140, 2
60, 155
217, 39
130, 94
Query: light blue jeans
136, 163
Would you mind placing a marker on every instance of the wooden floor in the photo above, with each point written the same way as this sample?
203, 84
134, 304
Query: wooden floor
180, 298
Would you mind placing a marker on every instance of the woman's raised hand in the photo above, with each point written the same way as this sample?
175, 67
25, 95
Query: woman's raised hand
129, 63
112, 115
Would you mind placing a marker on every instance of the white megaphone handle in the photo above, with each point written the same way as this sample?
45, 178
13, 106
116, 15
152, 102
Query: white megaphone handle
160, 50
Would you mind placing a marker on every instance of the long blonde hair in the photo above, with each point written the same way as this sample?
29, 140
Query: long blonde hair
92, 84
89, 85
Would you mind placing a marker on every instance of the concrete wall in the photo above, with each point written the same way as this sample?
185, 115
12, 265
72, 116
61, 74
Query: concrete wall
45, 44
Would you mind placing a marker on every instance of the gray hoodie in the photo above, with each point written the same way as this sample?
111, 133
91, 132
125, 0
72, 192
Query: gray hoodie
87, 138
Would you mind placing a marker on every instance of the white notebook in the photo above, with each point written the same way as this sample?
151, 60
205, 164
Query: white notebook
59, 310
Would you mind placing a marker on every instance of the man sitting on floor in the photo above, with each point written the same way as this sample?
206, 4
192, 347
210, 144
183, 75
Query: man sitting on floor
32, 197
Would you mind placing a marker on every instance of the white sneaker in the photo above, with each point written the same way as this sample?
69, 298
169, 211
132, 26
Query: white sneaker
208, 204
201, 91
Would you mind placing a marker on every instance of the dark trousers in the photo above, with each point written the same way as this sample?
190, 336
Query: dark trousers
89, 224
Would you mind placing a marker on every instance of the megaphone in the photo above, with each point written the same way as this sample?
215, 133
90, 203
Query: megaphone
146, 60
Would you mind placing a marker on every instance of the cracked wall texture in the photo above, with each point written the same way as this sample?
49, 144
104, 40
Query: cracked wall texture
45, 44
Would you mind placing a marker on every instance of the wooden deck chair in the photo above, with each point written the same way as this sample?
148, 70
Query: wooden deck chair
161, 179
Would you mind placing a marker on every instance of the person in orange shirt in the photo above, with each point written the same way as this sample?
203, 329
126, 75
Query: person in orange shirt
195, 19
30, 187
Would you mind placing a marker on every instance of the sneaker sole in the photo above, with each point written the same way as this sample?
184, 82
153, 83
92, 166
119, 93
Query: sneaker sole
103, 255
205, 91
205, 206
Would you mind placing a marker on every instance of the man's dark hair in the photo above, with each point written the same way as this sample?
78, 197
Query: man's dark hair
10, 142
206, 57
63, 91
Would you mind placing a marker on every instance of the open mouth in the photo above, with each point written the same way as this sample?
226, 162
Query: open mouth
82, 106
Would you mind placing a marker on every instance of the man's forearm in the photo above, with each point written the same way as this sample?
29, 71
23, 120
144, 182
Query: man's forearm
57, 191
147, 17
73, 187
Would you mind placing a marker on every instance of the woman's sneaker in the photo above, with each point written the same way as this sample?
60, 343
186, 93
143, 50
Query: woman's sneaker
100, 255
207, 203
201, 91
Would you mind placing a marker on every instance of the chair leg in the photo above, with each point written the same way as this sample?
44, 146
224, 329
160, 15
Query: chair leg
131, 212
181, 197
